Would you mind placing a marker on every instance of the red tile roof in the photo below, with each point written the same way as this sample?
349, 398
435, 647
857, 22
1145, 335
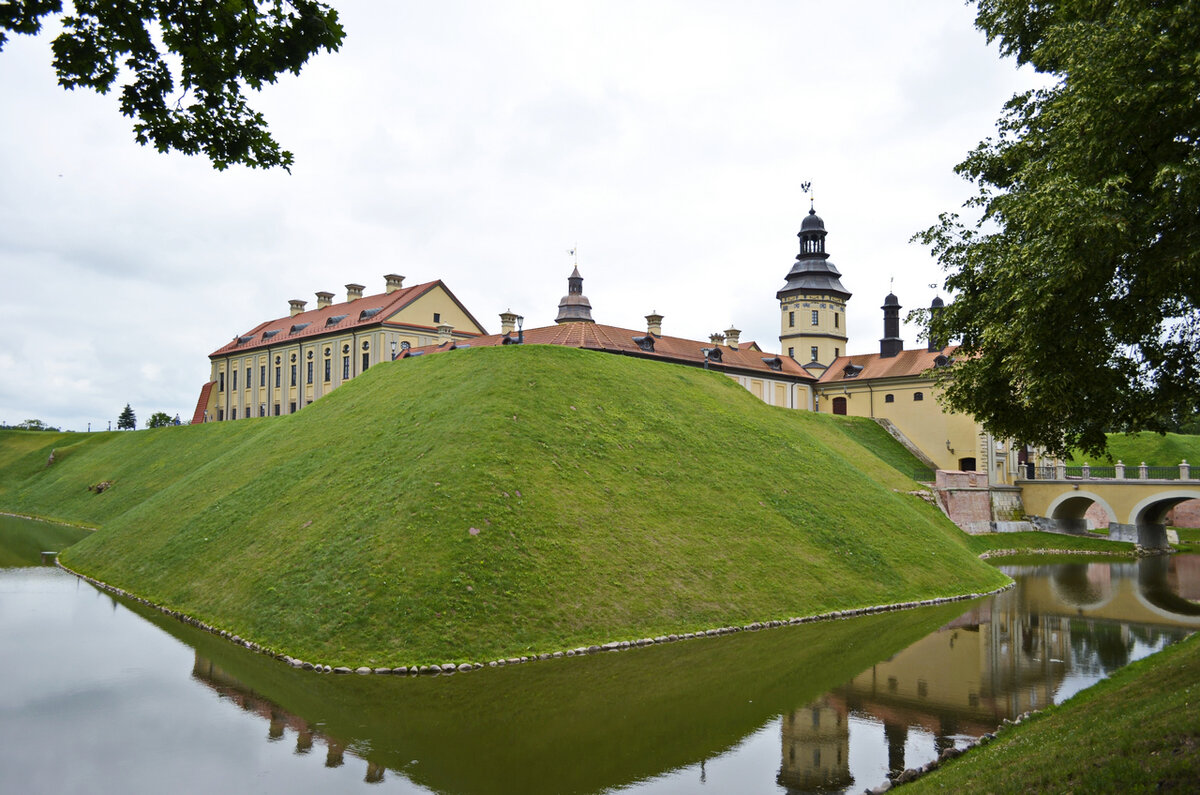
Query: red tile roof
747, 357
202, 403
316, 322
903, 365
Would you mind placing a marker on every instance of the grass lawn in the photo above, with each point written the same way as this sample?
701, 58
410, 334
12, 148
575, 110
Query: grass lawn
1153, 448
1138, 731
499, 502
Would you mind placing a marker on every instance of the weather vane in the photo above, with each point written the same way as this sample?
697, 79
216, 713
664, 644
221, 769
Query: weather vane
571, 252
806, 187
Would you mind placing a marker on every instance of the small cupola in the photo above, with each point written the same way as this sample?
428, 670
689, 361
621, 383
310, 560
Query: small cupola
934, 308
574, 306
891, 344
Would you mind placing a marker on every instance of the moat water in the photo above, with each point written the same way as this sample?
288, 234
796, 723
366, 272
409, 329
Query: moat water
99, 695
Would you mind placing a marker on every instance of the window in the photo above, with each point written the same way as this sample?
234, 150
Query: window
835, 320
248, 384
327, 370
262, 375
234, 415
813, 352
437, 317
309, 373
221, 377
791, 319
220, 414
262, 409
293, 373
839, 405
918, 396
837, 352
816, 316
792, 353
292, 407
276, 409
277, 376
889, 398
345, 367
366, 361
234, 373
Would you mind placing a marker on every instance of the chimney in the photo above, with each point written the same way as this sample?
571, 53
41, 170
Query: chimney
508, 322
444, 333
732, 335
934, 308
394, 282
353, 292
296, 306
717, 339
891, 344
654, 324
324, 299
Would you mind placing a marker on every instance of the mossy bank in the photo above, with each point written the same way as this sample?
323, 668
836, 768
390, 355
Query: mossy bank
499, 502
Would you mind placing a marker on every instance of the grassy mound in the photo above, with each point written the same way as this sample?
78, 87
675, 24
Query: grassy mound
496, 502
1154, 448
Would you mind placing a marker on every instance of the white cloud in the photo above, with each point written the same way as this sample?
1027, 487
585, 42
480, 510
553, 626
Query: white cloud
476, 142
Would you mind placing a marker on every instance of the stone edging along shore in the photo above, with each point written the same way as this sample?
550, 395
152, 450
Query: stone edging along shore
450, 668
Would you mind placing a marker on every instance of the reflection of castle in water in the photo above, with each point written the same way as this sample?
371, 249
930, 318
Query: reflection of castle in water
227, 686
1003, 658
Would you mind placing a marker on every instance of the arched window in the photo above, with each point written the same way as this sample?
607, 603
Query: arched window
918, 395
889, 398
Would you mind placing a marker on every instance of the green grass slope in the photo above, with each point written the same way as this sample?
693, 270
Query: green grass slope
1153, 448
496, 502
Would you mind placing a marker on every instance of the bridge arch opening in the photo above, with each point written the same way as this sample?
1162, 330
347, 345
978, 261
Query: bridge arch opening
1074, 505
1153, 510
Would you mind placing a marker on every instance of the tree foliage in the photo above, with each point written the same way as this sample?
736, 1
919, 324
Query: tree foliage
1075, 294
183, 66
128, 420
159, 419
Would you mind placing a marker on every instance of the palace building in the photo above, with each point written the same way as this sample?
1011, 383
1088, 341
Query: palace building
284, 364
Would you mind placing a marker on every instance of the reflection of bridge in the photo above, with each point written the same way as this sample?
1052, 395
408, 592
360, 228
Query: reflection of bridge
1136, 506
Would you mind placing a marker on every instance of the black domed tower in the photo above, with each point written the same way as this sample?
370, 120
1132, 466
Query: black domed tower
812, 304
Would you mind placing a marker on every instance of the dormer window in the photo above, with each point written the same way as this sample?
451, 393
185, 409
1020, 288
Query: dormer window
268, 334
366, 314
646, 343
299, 327
774, 363
245, 339
851, 370
942, 360
334, 320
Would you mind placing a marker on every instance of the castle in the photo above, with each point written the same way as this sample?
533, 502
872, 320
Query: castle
286, 363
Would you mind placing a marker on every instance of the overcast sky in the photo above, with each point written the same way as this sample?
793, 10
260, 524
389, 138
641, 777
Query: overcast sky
476, 143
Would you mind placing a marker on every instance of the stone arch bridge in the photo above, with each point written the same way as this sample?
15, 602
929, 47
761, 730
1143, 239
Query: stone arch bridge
1137, 507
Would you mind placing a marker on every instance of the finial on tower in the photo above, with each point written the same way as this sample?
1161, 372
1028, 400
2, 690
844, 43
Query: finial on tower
807, 188
574, 254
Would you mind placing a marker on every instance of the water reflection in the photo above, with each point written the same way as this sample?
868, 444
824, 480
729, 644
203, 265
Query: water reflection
824, 707
1063, 628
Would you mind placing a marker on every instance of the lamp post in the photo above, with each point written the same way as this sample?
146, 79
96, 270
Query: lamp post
393, 350
520, 329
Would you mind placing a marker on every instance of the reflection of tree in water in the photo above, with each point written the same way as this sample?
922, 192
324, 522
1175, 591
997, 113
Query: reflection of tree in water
1100, 646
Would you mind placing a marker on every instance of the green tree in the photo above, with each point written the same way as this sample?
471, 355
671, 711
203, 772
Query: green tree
34, 425
127, 421
188, 95
159, 419
1075, 293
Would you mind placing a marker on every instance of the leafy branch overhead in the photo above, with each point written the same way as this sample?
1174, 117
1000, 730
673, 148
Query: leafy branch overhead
1077, 292
183, 67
